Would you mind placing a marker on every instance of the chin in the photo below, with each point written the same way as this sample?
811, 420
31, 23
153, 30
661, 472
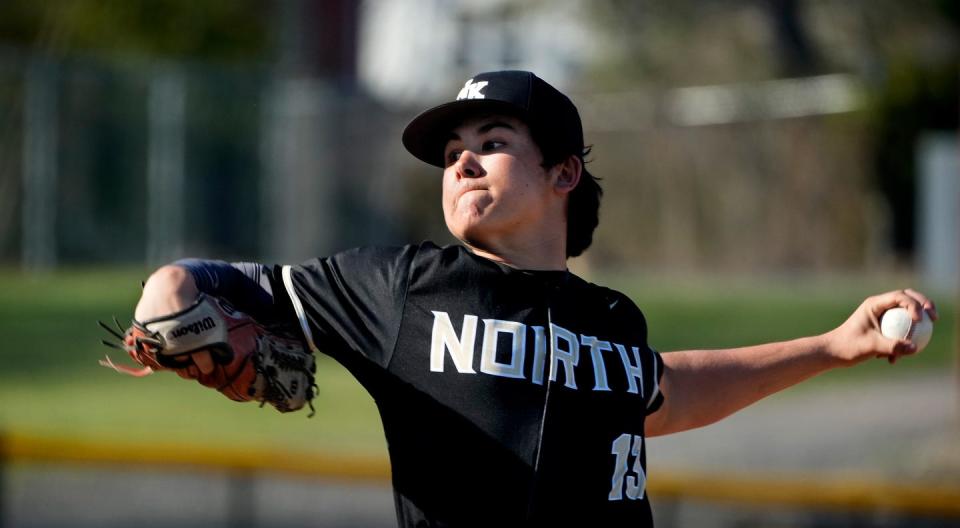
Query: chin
466, 226
469, 235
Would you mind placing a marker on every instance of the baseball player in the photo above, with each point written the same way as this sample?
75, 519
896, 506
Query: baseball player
511, 391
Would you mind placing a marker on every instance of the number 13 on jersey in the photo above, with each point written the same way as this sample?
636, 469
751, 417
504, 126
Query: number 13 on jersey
627, 448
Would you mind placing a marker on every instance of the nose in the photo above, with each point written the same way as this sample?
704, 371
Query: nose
468, 166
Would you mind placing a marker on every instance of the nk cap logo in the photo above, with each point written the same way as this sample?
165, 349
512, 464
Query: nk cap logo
471, 90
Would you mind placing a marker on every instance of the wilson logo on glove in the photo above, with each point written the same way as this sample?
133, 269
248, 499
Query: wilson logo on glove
196, 328
251, 362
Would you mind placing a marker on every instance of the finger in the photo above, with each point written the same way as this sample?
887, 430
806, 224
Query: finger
901, 298
885, 301
927, 304
914, 307
189, 373
203, 361
904, 348
889, 348
900, 349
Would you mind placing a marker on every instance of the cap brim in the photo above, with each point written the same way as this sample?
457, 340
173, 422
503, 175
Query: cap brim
427, 135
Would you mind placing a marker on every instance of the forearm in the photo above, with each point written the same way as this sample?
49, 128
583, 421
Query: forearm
169, 289
247, 286
701, 387
175, 287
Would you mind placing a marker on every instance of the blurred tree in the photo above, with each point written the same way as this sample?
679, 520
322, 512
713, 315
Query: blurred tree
915, 99
914, 90
906, 55
210, 29
797, 54
317, 38
682, 42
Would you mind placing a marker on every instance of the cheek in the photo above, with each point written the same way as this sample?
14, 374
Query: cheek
447, 189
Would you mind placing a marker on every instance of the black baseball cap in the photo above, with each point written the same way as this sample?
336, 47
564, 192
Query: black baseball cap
550, 115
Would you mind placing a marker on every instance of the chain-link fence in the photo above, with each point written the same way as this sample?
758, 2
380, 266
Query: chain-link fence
126, 161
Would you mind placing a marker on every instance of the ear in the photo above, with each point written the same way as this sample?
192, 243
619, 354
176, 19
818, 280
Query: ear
567, 174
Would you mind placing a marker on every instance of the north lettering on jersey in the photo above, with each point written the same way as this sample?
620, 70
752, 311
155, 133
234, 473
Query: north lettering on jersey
539, 354
492, 328
597, 346
504, 346
568, 355
460, 347
634, 369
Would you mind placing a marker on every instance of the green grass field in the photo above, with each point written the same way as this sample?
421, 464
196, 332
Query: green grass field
50, 383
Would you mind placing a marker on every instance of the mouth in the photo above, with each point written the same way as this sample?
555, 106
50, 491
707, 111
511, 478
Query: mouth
468, 190
464, 192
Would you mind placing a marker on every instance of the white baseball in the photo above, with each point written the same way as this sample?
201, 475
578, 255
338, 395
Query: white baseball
897, 324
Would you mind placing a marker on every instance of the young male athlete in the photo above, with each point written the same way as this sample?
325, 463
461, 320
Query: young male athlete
511, 391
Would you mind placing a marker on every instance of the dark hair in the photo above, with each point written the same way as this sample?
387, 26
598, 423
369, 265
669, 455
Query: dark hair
583, 204
583, 210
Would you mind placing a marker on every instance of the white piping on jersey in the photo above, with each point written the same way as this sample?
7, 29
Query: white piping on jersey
656, 383
543, 418
546, 397
298, 307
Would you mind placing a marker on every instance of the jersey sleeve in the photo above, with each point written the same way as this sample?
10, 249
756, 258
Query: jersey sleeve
656, 396
248, 286
350, 305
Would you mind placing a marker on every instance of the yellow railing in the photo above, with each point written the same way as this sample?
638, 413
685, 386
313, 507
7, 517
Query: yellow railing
807, 491
804, 491
21, 448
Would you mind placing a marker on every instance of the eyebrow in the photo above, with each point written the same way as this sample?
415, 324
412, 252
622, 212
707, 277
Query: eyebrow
485, 128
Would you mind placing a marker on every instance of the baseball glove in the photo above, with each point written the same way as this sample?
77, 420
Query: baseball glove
251, 363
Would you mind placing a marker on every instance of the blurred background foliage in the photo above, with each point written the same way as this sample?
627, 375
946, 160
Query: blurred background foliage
697, 198
905, 56
219, 30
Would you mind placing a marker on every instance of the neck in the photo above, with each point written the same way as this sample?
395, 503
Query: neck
540, 254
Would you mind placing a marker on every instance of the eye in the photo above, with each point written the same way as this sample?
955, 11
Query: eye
492, 145
453, 156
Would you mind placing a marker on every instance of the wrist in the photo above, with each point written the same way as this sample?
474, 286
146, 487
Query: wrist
826, 346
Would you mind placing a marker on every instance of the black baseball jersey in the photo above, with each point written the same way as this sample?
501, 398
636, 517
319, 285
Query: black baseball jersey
508, 397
